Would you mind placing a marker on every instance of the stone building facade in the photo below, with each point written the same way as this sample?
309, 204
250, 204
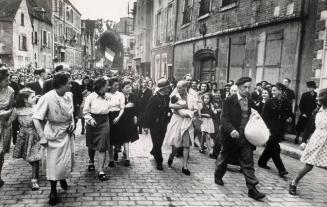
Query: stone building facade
143, 36
16, 49
88, 43
222, 40
164, 16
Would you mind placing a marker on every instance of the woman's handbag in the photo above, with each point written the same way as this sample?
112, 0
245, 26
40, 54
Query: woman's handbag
256, 131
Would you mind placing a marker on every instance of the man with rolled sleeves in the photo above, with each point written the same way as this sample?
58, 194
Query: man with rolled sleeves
235, 115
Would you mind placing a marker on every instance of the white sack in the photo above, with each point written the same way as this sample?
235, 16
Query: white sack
256, 131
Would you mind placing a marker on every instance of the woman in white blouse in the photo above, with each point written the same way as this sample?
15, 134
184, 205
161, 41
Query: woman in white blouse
117, 107
95, 112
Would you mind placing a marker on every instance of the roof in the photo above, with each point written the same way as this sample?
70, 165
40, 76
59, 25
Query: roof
33, 8
8, 9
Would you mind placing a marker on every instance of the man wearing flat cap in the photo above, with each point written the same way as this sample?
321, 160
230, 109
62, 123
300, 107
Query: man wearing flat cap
307, 105
156, 118
234, 117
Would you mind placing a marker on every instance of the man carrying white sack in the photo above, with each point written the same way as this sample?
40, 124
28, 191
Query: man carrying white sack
236, 112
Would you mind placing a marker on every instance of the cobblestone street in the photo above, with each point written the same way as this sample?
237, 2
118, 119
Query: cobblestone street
142, 185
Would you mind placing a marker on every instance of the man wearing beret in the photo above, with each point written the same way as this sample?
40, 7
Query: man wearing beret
156, 118
235, 115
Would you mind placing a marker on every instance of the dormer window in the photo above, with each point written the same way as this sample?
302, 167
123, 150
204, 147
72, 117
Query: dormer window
205, 7
22, 22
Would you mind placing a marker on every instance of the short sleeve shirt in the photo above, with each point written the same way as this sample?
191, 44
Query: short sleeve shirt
117, 101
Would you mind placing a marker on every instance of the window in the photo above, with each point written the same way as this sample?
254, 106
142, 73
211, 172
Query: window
56, 6
44, 38
67, 14
34, 38
22, 23
170, 24
60, 9
229, 3
22, 43
48, 38
158, 28
187, 11
71, 16
205, 7
60, 31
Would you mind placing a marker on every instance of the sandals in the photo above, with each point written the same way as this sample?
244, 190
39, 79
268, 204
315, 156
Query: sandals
35, 185
102, 176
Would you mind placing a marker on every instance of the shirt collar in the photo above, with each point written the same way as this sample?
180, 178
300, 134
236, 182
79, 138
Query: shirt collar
239, 97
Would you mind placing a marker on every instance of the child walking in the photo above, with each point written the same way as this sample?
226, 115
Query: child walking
28, 142
207, 126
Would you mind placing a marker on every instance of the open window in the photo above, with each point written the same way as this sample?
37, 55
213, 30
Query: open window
205, 8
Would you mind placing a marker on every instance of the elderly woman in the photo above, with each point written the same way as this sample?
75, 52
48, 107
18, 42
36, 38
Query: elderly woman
56, 108
6, 101
180, 129
95, 112
315, 152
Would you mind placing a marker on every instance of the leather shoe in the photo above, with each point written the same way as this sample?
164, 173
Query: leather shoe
255, 194
170, 160
111, 164
264, 167
186, 171
159, 167
53, 199
282, 174
127, 163
63, 184
292, 189
219, 181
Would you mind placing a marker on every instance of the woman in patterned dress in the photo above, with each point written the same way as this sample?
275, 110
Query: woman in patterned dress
56, 108
315, 153
28, 142
6, 101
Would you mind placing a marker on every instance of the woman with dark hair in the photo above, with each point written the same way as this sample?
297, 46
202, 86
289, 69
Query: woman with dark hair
6, 101
265, 95
116, 111
143, 99
129, 119
55, 108
203, 90
276, 112
315, 153
95, 112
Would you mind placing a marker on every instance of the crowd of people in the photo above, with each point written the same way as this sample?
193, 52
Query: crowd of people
39, 117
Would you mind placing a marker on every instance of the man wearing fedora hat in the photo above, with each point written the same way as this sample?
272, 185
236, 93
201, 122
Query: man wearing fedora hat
156, 118
307, 105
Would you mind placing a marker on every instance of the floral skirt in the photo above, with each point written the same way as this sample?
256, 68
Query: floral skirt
28, 145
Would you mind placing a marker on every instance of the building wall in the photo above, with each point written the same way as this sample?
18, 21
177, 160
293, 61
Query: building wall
320, 51
42, 53
22, 58
6, 34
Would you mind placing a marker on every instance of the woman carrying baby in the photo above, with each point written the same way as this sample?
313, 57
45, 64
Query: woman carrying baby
180, 131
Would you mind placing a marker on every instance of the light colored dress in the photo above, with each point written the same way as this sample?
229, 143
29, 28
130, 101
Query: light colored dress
180, 130
58, 112
315, 152
28, 141
6, 101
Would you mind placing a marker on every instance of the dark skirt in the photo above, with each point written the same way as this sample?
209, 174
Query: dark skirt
116, 130
130, 133
97, 138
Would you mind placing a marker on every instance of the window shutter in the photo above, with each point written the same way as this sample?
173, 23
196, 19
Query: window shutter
19, 43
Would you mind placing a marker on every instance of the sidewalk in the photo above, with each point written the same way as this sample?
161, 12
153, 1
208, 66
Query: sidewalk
289, 148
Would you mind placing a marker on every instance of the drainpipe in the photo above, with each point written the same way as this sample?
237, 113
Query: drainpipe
301, 39
175, 33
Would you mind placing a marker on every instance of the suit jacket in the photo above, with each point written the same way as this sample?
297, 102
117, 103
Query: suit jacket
156, 112
231, 116
308, 103
35, 86
143, 99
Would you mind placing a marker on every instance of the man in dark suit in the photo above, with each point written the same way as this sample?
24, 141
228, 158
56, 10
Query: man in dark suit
143, 98
308, 104
226, 91
235, 115
37, 86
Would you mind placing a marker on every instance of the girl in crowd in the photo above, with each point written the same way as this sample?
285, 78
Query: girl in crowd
275, 113
116, 111
129, 120
315, 152
28, 142
180, 129
207, 126
6, 102
217, 102
265, 94
55, 109
203, 90
143, 99
96, 111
